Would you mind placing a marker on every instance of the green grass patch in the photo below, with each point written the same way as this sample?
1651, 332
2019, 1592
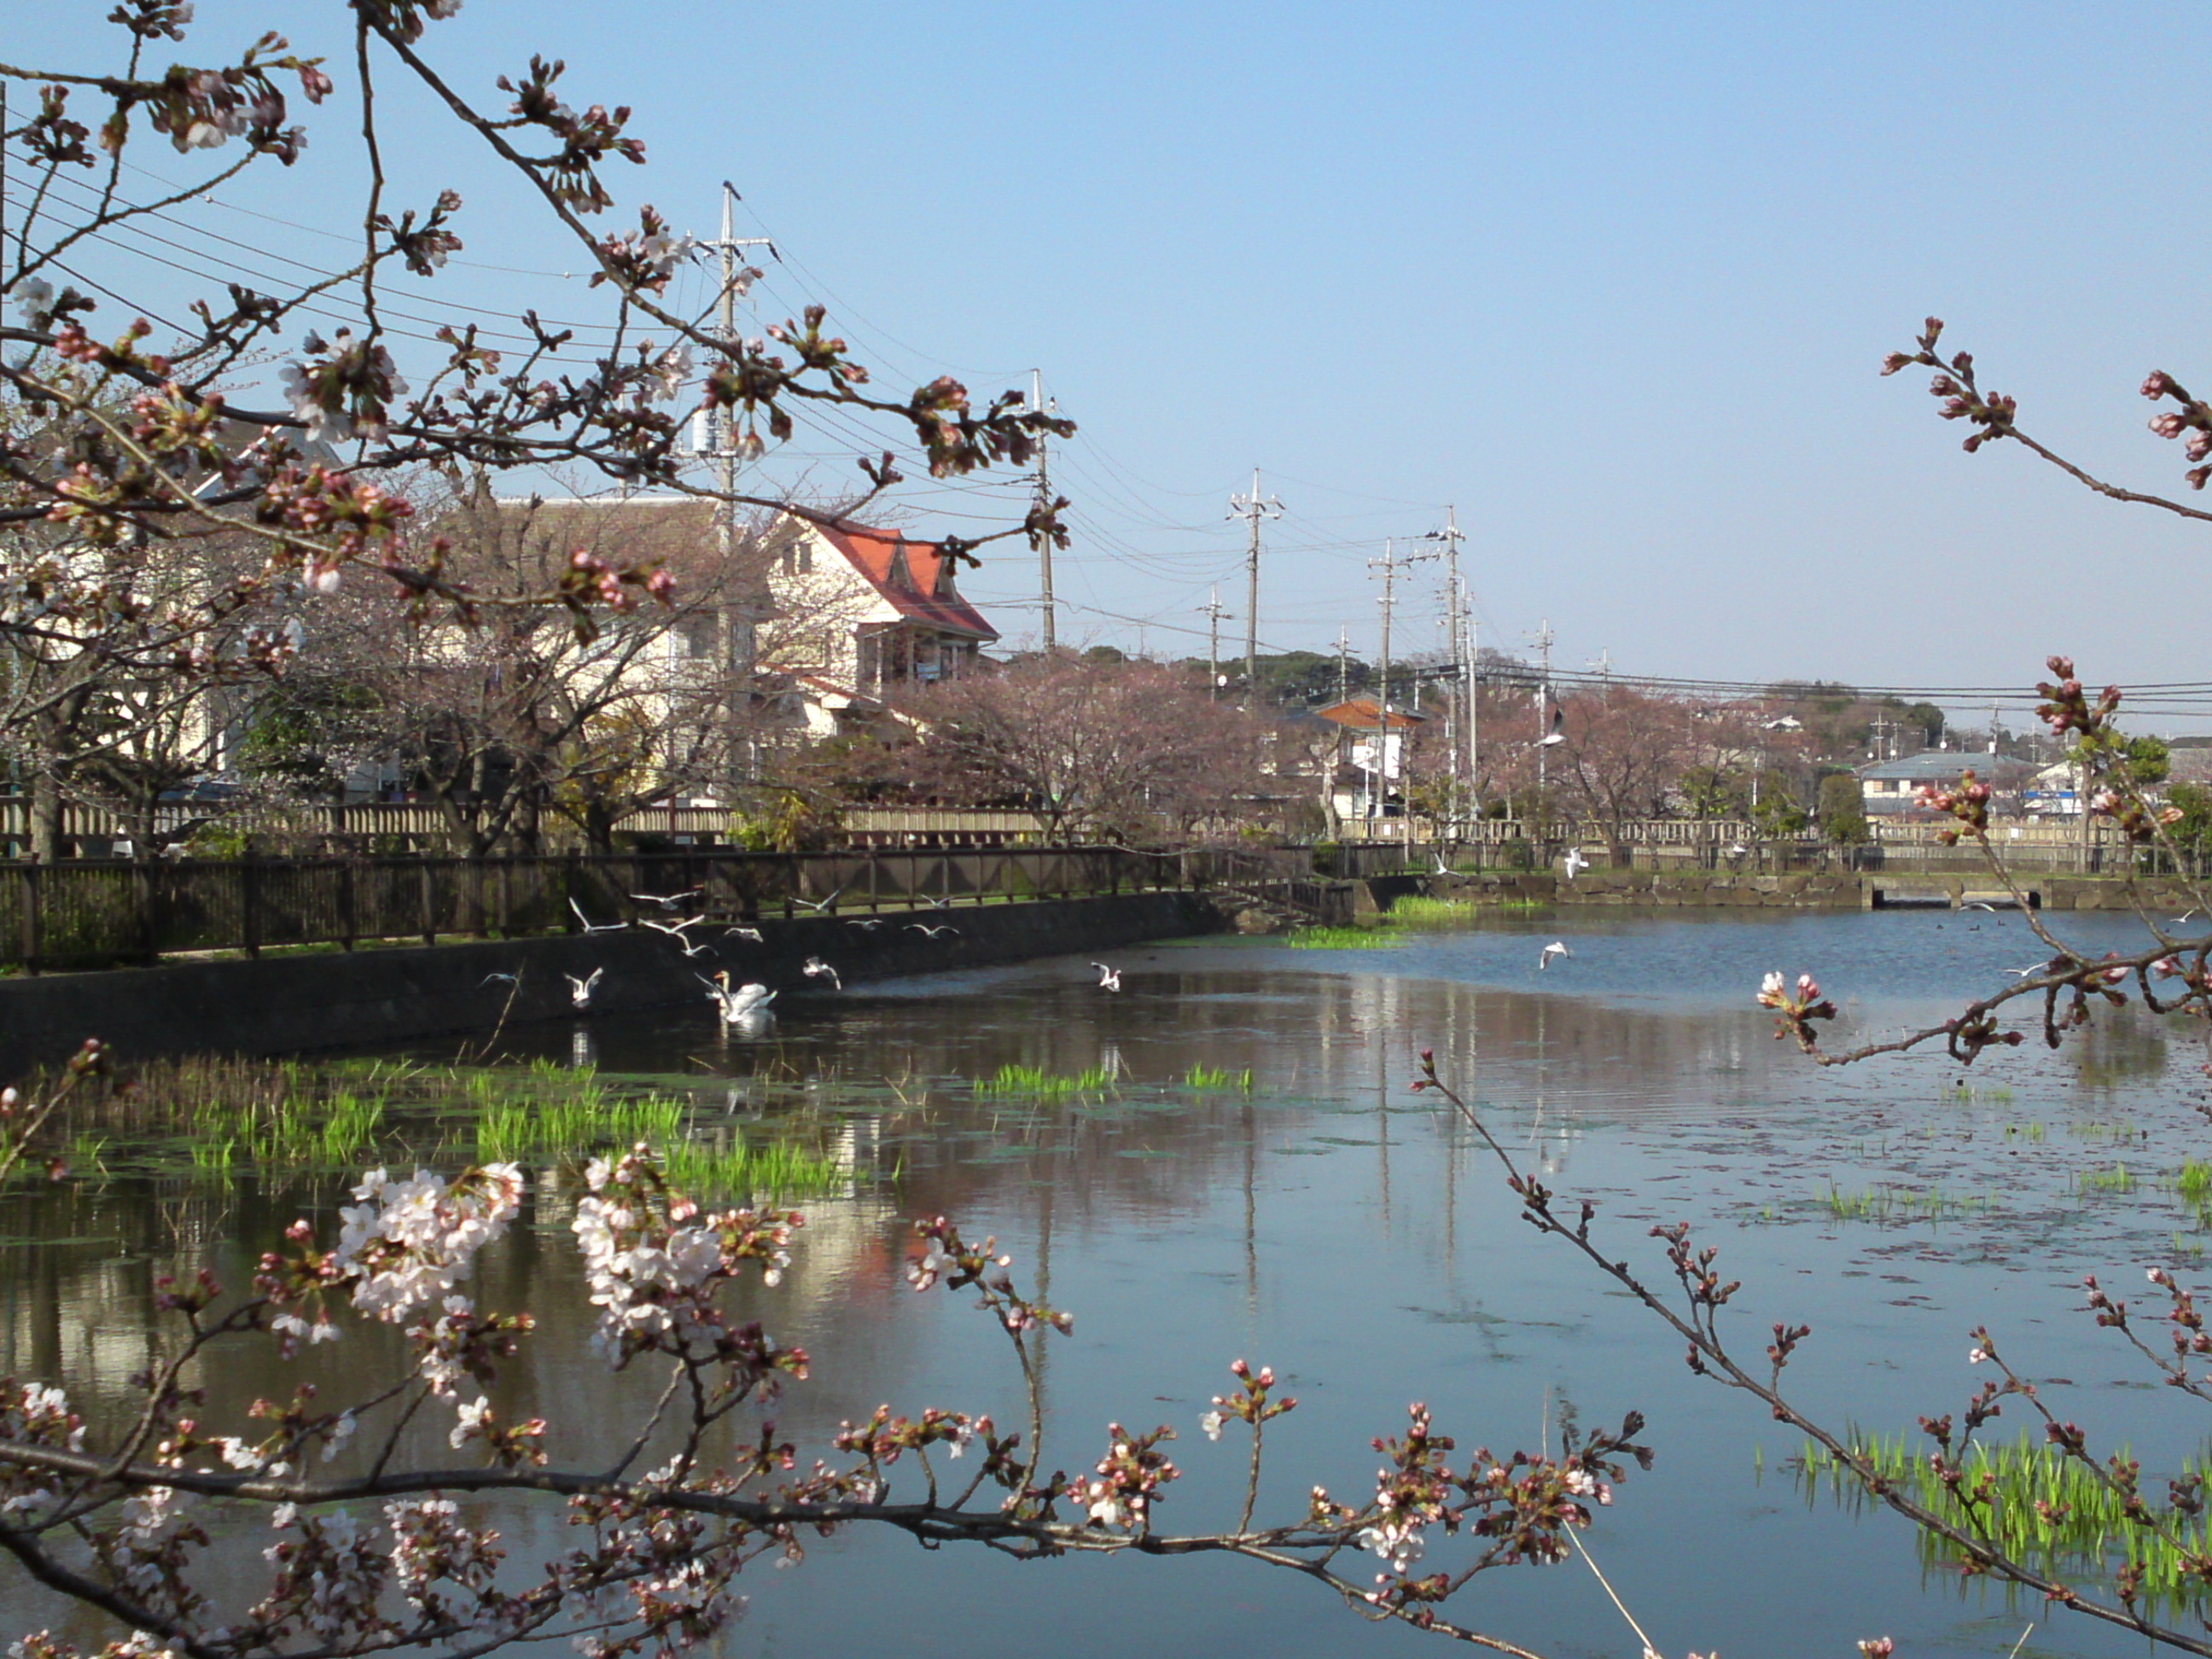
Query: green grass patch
1340, 938
1214, 1080
2037, 1505
2114, 1180
1034, 1082
1887, 1203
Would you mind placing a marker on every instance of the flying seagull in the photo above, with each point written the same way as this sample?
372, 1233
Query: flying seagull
1556, 948
867, 926
1109, 979
669, 901
591, 927
816, 905
752, 933
930, 932
815, 967
510, 978
1575, 862
579, 990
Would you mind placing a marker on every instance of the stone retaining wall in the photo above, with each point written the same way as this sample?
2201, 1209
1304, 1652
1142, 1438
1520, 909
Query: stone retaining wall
2161, 897
288, 1004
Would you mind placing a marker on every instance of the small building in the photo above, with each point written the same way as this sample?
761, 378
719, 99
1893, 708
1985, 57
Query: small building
1370, 755
1887, 787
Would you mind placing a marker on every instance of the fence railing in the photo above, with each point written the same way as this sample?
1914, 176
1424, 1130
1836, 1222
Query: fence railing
94, 913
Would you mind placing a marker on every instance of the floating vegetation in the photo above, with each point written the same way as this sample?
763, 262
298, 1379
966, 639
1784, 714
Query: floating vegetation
1036, 1083
1888, 1203
1212, 1079
2028, 1131
2114, 1180
2043, 1508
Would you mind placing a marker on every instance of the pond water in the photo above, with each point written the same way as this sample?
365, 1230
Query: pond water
1325, 1220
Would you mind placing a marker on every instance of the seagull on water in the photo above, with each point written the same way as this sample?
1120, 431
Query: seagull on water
930, 932
815, 967
1109, 979
579, 990
735, 1006
1556, 948
591, 927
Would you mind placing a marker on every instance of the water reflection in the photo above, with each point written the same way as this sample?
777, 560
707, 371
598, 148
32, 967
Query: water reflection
1327, 1220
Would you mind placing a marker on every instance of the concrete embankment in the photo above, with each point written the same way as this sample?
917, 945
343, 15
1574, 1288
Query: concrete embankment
289, 1004
1820, 890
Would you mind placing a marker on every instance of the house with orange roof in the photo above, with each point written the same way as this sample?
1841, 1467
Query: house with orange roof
900, 621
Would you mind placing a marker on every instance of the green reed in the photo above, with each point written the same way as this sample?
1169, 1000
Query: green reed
2114, 1180
1887, 1203
1214, 1080
2043, 1508
1035, 1082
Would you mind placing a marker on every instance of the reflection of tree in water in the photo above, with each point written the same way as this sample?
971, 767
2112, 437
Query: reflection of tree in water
2118, 1044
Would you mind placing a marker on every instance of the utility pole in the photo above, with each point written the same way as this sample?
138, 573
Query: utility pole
1214, 616
1043, 501
1343, 667
1253, 507
1388, 564
1474, 719
1462, 675
711, 437
1543, 644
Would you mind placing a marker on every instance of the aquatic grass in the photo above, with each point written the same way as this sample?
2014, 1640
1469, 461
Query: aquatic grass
2114, 1180
1993, 1094
1888, 1203
1416, 910
2043, 1507
1340, 939
2029, 1131
1034, 1081
1213, 1078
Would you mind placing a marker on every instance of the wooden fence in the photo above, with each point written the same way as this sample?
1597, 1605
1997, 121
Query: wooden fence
99, 912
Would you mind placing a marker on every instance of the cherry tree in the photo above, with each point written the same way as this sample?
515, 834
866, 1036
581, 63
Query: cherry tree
128, 448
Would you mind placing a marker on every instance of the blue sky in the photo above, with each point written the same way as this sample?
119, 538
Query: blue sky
1613, 280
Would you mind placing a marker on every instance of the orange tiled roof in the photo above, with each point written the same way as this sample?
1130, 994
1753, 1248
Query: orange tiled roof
1359, 714
915, 576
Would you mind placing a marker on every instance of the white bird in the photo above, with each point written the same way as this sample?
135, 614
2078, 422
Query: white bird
816, 905
937, 903
669, 901
752, 933
1555, 738
815, 967
867, 926
1443, 869
1556, 948
1109, 979
673, 929
2182, 919
1575, 862
509, 978
1977, 904
1738, 850
735, 1006
591, 927
579, 990
930, 932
